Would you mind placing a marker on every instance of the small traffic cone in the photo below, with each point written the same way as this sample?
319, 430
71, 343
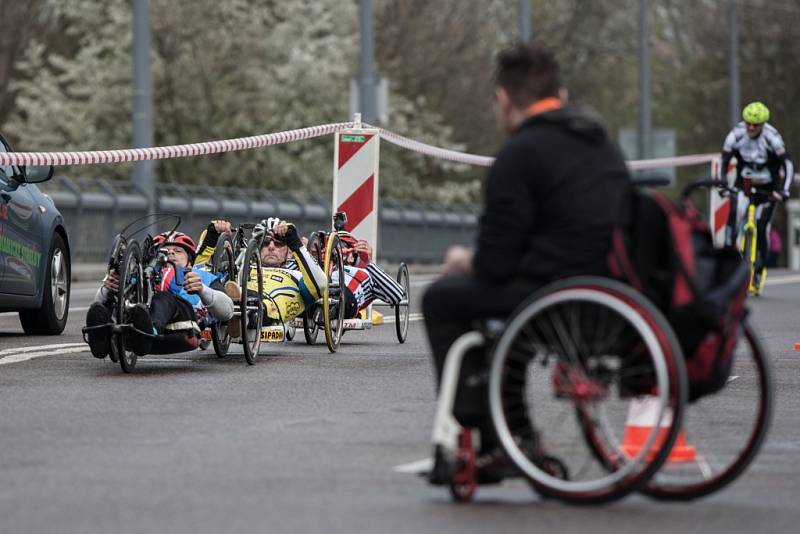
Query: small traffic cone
642, 415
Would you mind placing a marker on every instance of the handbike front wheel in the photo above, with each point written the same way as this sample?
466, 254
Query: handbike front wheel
333, 295
572, 359
310, 326
131, 292
723, 431
251, 309
223, 263
401, 310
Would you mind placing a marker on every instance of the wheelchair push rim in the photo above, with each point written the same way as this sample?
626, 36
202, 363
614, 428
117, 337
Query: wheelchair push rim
574, 355
223, 263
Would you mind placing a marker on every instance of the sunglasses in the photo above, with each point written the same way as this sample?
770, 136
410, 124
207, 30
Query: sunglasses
268, 240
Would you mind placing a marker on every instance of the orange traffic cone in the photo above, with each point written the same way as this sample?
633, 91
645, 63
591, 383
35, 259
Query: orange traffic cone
797, 347
642, 416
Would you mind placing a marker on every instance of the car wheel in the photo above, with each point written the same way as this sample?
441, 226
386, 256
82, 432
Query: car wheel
51, 318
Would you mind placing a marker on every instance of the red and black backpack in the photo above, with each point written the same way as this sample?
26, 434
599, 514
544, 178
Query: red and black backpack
665, 250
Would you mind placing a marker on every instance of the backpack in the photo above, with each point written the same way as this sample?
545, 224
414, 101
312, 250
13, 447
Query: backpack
664, 249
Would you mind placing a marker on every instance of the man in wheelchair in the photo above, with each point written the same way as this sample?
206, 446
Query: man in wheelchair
551, 200
175, 307
291, 282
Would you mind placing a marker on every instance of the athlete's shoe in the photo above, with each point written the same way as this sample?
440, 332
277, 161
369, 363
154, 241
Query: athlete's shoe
139, 317
758, 280
99, 338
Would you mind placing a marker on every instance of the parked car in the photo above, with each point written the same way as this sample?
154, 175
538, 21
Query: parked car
34, 250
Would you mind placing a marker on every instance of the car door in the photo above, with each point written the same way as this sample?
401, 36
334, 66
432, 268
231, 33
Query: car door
20, 240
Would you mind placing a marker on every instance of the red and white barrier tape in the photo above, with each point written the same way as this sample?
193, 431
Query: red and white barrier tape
165, 152
258, 141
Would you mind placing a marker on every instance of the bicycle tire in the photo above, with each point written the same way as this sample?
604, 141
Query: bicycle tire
130, 292
333, 294
402, 309
251, 309
223, 262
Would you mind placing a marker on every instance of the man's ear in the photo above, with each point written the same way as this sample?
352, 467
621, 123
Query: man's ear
503, 100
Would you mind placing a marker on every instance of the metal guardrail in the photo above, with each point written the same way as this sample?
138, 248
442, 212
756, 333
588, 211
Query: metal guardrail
95, 210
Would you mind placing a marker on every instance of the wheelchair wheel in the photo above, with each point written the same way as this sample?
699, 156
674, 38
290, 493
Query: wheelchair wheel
564, 371
310, 325
131, 291
223, 263
333, 295
114, 262
401, 310
251, 309
725, 430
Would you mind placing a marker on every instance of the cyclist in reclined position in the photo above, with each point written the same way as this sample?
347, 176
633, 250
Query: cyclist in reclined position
757, 145
364, 280
551, 200
198, 301
290, 282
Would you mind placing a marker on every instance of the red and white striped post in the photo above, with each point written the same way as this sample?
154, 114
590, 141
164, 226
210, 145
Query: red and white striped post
355, 180
720, 206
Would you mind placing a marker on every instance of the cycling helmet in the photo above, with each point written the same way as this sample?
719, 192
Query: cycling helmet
177, 239
755, 113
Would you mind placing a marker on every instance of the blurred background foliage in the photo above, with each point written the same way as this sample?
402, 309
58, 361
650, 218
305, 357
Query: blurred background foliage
244, 67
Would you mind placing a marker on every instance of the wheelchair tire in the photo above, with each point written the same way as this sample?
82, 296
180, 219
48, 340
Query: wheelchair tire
223, 262
131, 291
333, 294
724, 449
251, 309
576, 352
316, 246
401, 310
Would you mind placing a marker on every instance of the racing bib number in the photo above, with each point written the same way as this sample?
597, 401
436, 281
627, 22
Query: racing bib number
272, 333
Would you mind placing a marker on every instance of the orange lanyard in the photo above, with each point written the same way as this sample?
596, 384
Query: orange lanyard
545, 104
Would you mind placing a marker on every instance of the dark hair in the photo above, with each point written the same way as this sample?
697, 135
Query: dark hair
528, 73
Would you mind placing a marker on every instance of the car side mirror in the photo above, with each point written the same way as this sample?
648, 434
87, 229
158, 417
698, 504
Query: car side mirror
35, 174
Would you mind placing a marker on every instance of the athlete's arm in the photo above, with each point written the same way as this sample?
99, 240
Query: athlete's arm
208, 240
313, 277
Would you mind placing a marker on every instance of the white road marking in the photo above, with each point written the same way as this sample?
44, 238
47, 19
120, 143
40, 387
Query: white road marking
792, 279
16, 358
414, 468
39, 348
411, 317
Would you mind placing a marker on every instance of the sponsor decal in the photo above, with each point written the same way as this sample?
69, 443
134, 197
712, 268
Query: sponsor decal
352, 138
22, 211
272, 333
18, 250
206, 334
22, 269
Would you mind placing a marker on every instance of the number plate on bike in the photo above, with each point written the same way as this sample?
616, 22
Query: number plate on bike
272, 334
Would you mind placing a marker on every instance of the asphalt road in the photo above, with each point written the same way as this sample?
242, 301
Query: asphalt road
306, 441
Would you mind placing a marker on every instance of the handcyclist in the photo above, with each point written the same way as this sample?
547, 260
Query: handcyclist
551, 200
196, 302
364, 280
757, 146
290, 282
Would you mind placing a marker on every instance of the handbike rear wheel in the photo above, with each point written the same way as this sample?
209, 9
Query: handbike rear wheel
131, 292
333, 295
401, 310
723, 432
251, 309
223, 263
576, 353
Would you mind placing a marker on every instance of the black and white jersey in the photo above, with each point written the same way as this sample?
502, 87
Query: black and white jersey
765, 151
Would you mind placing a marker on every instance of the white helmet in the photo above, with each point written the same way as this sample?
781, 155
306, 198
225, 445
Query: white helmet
266, 225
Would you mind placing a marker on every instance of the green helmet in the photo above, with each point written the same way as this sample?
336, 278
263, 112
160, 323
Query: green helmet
755, 113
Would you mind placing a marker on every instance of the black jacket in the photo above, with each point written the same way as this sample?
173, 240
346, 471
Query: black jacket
552, 198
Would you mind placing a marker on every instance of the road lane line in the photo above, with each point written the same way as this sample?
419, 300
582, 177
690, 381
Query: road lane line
414, 468
782, 280
25, 356
411, 317
39, 348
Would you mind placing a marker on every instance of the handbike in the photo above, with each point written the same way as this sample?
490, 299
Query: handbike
316, 245
139, 268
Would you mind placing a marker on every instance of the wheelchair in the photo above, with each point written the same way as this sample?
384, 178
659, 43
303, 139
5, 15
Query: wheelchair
238, 257
139, 266
588, 397
317, 246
